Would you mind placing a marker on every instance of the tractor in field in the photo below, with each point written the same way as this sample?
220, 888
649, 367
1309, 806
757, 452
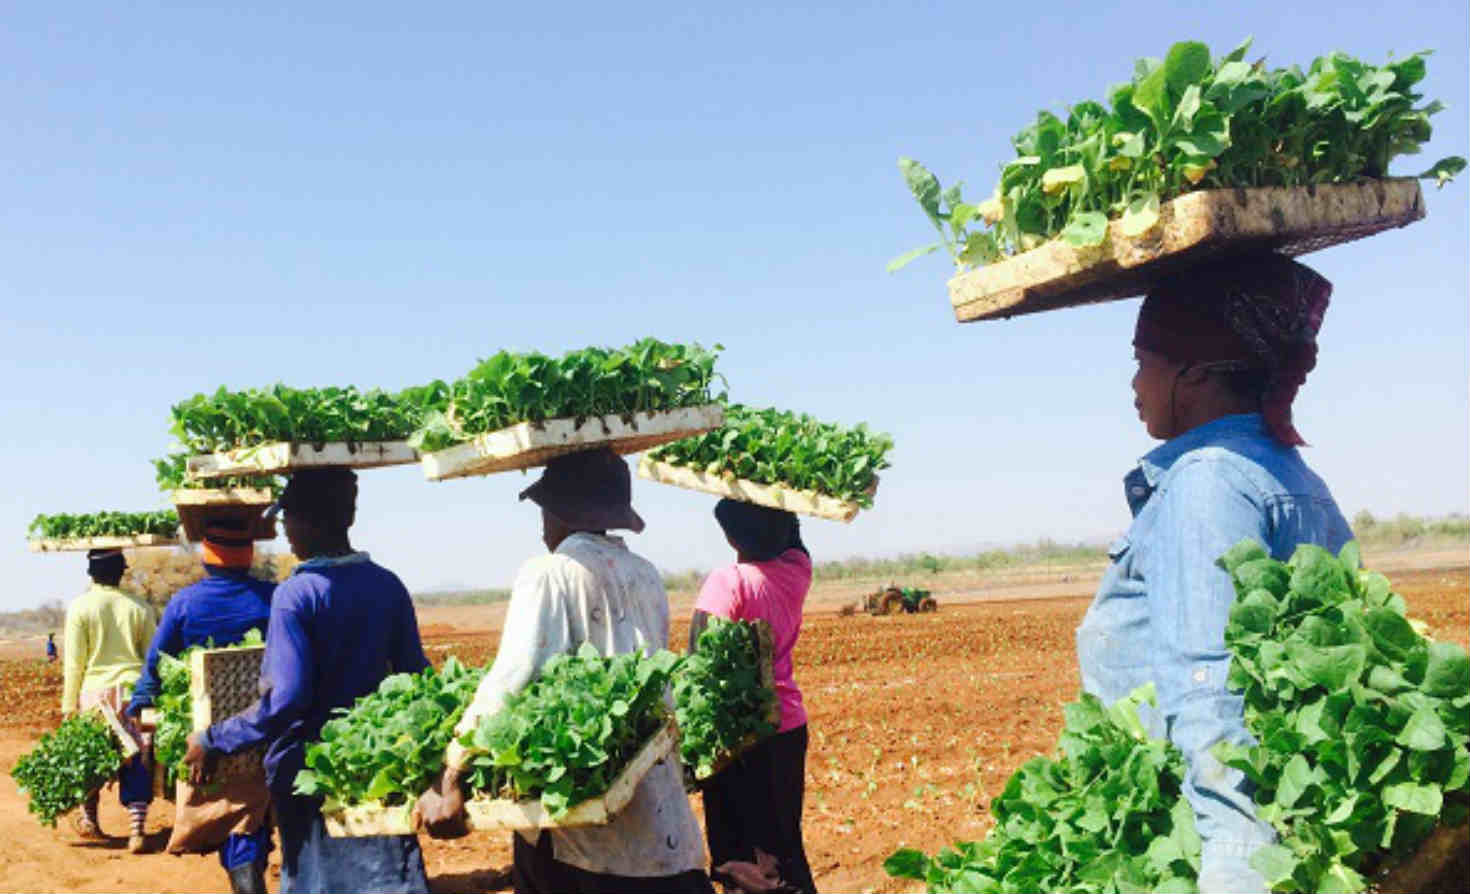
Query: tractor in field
892, 600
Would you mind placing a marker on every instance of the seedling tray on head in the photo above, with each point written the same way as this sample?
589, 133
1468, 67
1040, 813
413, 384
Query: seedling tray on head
82, 544
1191, 228
241, 504
222, 683
803, 502
766, 642
530, 444
291, 456
487, 815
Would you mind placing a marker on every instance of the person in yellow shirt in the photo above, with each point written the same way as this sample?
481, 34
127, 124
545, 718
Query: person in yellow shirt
107, 636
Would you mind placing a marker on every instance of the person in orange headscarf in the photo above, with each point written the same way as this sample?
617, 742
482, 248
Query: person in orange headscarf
219, 609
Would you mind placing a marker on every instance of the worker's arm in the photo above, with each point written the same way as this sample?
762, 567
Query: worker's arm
167, 639
536, 628
74, 655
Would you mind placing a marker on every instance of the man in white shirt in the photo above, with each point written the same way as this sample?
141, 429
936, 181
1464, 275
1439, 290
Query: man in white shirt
590, 589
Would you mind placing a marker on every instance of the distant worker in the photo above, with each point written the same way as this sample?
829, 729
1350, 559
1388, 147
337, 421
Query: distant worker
338, 626
754, 805
107, 634
590, 589
51, 648
1221, 349
220, 609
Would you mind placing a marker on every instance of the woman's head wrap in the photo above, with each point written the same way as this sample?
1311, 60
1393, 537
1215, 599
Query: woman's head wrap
759, 532
227, 544
1258, 311
327, 498
590, 490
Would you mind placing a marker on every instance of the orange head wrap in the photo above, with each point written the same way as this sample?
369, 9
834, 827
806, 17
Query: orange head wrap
227, 546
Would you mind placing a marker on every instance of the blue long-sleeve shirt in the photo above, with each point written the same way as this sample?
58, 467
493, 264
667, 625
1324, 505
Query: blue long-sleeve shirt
1159, 614
337, 628
222, 607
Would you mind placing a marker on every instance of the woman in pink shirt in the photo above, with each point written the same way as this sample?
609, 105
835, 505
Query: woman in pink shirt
756, 802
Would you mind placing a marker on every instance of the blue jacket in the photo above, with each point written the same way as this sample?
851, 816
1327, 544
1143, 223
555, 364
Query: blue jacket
222, 607
338, 627
1159, 614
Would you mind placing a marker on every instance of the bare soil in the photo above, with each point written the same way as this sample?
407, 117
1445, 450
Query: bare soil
916, 722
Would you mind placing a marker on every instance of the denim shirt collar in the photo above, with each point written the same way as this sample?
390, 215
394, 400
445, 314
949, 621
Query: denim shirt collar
1140, 483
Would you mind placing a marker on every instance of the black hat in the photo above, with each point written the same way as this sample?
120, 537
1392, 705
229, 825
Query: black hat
590, 490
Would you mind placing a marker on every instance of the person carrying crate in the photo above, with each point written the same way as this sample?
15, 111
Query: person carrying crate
216, 611
107, 634
1222, 350
590, 589
755, 804
339, 625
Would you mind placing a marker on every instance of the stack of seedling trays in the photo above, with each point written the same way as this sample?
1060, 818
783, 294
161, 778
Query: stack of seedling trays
518, 411
1195, 158
102, 530
199, 506
778, 459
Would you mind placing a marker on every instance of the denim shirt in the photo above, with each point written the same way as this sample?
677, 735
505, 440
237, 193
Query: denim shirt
1159, 614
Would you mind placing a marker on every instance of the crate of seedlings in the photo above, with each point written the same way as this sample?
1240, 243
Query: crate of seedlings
517, 411
568, 750
67, 532
779, 459
725, 695
282, 429
1194, 158
223, 682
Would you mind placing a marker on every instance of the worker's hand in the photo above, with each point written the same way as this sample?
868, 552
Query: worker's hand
441, 808
200, 761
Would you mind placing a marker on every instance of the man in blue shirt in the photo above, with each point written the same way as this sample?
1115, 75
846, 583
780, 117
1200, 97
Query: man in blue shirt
338, 626
217, 610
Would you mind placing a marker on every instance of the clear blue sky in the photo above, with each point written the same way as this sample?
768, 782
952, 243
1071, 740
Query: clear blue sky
379, 195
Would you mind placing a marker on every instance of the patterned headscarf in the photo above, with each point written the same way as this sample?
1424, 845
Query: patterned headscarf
1257, 311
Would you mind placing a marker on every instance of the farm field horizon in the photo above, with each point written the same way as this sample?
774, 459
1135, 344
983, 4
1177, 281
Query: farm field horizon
916, 723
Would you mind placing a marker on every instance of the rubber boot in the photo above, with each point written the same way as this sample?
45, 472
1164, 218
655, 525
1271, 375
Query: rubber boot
248, 878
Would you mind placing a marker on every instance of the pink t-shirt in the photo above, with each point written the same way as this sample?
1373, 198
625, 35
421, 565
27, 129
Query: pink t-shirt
774, 590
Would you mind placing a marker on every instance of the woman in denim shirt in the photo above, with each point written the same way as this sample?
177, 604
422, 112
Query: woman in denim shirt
1221, 350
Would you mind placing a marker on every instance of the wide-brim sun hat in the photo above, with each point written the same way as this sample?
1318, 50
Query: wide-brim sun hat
589, 490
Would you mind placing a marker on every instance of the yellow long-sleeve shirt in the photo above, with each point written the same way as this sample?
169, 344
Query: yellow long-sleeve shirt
107, 636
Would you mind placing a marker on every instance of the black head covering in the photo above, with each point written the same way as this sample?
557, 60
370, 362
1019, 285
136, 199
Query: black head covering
590, 490
759, 532
105, 564
325, 497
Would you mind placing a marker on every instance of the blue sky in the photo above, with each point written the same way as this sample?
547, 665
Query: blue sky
380, 195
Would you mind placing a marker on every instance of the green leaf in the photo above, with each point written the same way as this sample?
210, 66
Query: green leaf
1275, 863
1444, 170
909, 257
1424, 731
907, 863
1415, 798
925, 187
1087, 228
1142, 215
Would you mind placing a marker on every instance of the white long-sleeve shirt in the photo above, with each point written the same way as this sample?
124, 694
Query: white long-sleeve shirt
593, 589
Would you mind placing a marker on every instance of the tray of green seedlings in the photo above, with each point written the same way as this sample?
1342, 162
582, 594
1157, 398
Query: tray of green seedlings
779, 459
1361, 765
725, 695
72, 761
1190, 159
568, 750
72, 532
174, 715
282, 429
517, 411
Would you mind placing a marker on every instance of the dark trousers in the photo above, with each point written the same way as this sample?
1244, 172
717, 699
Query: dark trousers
535, 870
312, 862
756, 803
